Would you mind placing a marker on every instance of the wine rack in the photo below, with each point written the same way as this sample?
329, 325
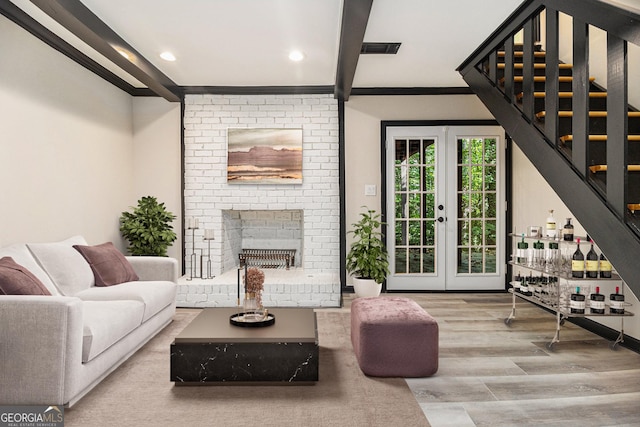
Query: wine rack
555, 295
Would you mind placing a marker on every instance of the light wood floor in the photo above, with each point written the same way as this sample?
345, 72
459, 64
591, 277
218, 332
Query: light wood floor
491, 374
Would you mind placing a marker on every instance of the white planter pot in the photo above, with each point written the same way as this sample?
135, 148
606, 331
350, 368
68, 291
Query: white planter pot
366, 287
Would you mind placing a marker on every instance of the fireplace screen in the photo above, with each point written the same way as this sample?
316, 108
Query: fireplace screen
268, 258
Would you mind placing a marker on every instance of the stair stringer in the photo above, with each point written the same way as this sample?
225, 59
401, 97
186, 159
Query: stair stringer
613, 235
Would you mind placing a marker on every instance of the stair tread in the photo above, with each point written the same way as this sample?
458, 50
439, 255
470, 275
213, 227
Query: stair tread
537, 65
561, 79
634, 206
542, 114
565, 94
603, 168
567, 138
539, 54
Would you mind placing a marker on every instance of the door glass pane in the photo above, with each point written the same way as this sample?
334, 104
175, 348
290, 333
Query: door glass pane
490, 147
490, 260
429, 205
414, 178
428, 260
476, 260
415, 263
414, 233
401, 260
401, 233
463, 260
429, 178
414, 206
429, 233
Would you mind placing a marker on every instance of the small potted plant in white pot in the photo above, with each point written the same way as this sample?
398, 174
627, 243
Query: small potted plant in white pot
367, 258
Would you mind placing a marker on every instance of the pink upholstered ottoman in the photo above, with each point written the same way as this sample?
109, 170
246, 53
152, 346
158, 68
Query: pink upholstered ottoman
394, 337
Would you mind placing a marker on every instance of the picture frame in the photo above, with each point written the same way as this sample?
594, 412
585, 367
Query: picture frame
264, 155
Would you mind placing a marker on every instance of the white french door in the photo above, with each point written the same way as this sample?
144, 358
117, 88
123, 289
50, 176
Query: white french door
445, 207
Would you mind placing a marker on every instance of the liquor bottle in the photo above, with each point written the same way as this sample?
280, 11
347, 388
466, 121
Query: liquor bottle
517, 282
536, 254
551, 225
577, 262
616, 302
527, 286
567, 231
521, 253
605, 267
576, 305
592, 263
597, 302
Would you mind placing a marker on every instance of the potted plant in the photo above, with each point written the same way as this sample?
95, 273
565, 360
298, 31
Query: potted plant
367, 258
148, 228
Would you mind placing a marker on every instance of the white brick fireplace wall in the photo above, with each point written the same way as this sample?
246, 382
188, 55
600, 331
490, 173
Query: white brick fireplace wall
209, 198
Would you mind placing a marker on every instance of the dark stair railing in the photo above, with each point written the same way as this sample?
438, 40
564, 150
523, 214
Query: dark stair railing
583, 137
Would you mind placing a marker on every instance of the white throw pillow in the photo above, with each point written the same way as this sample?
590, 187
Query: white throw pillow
22, 256
68, 270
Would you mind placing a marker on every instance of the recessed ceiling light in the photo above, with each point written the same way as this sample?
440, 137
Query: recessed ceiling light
296, 55
168, 56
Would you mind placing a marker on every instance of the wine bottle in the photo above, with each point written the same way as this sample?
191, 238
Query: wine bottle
616, 302
521, 253
605, 267
551, 225
577, 262
596, 303
576, 305
592, 263
567, 231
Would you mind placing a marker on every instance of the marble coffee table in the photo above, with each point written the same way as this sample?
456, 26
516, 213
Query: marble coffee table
212, 350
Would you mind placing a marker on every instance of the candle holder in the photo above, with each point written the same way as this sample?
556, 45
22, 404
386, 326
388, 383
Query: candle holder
208, 237
193, 226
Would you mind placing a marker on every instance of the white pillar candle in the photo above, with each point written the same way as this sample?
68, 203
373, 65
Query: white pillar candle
208, 234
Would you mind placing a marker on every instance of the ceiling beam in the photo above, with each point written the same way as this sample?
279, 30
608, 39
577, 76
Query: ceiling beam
77, 18
355, 16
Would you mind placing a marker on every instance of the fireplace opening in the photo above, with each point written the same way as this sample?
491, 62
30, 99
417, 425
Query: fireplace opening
263, 238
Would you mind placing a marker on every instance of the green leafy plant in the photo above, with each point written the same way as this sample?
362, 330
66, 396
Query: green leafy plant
367, 257
148, 228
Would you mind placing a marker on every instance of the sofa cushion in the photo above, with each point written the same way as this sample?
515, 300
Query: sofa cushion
107, 322
154, 295
108, 264
21, 255
17, 280
68, 270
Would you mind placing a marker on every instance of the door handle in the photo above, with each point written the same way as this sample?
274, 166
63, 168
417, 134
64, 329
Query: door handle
440, 207
440, 219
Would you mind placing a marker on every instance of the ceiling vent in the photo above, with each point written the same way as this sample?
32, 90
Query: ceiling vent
380, 48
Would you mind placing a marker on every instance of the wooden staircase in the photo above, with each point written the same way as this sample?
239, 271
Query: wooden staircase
582, 138
597, 121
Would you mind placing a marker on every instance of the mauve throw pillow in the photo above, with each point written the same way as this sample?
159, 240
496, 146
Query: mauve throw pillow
17, 280
109, 266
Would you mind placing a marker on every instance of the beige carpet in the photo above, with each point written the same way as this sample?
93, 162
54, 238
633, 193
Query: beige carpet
139, 393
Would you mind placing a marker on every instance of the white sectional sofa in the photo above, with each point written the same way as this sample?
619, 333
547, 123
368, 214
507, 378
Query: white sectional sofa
55, 348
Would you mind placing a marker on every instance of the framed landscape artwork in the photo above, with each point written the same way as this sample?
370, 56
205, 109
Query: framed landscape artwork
264, 156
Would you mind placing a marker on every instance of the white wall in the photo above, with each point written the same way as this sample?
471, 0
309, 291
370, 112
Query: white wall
66, 156
157, 158
532, 198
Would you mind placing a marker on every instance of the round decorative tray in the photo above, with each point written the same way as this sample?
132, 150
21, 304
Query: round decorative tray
241, 319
